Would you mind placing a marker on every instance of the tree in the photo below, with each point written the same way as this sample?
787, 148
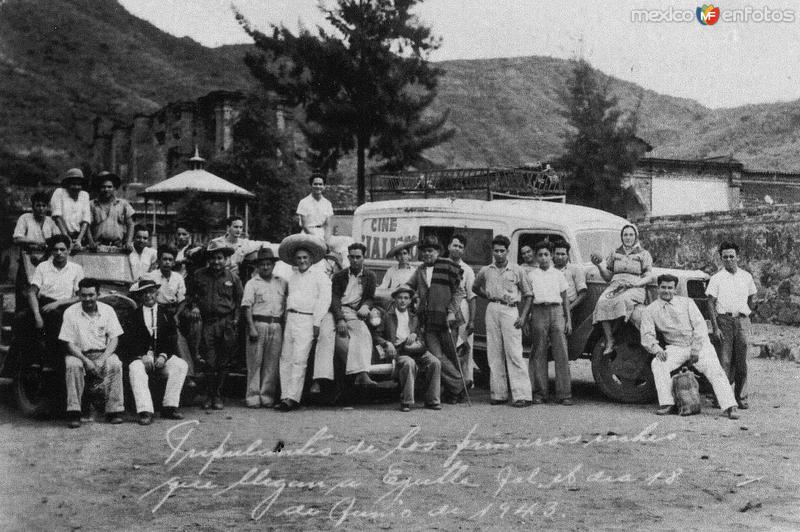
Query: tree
366, 88
600, 150
260, 162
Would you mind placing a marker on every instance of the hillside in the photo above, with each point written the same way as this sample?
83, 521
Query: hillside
64, 62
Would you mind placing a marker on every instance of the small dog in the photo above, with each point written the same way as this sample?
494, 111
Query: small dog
686, 391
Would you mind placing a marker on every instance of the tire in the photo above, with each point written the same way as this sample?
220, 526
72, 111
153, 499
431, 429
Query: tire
624, 375
34, 393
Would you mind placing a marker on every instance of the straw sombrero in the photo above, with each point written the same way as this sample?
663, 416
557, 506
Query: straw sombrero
311, 243
399, 247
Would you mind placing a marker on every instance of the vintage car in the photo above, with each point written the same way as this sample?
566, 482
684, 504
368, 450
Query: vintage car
39, 391
624, 375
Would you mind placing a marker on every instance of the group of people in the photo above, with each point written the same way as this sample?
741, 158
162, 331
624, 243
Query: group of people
191, 300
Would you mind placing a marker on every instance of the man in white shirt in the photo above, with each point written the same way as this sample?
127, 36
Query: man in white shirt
466, 338
314, 210
70, 209
54, 284
34, 228
573, 273
686, 337
551, 324
91, 330
143, 258
730, 297
308, 299
400, 274
241, 246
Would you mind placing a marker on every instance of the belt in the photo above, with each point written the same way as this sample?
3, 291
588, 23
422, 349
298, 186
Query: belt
267, 319
734, 315
545, 304
293, 311
501, 302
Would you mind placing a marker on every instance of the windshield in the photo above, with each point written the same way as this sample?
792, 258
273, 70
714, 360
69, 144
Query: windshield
599, 241
108, 267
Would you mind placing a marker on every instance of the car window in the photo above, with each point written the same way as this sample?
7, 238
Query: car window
479, 242
599, 241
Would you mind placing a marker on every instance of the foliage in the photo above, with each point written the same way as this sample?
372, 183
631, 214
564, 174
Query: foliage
363, 89
260, 163
198, 214
31, 169
601, 148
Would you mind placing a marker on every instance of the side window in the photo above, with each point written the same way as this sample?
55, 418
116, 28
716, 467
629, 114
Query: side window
529, 239
479, 242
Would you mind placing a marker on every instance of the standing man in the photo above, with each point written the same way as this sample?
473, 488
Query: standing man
215, 294
307, 301
34, 228
264, 303
143, 258
233, 239
730, 298
466, 338
505, 285
314, 210
400, 274
552, 323
436, 283
401, 339
573, 273
69, 206
150, 346
184, 248
91, 331
352, 293
54, 285
112, 217
686, 335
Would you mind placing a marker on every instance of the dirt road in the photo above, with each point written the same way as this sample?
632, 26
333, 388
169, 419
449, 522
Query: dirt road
595, 465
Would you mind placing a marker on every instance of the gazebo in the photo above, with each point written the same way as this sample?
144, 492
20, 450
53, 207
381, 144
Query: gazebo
196, 179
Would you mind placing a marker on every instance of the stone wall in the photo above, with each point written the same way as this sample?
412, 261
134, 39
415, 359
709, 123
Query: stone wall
769, 238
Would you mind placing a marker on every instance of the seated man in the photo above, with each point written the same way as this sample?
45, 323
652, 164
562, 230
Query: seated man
352, 291
112, 217
35, 227
91, 331
53, 286
150, 346
402, 340
686, 336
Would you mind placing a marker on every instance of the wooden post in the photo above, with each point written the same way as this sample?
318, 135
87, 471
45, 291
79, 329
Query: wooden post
228, 207
246, 218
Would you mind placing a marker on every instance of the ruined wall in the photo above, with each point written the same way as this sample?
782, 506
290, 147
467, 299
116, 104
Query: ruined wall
769, 238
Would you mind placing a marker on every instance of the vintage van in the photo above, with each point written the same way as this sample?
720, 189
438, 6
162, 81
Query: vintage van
623, 376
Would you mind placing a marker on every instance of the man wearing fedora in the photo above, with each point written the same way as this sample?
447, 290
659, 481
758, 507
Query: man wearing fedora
401, 339
214, 295
307, 301
112, 217
149, 346
264, 303
402, 272
436, 283
69, 206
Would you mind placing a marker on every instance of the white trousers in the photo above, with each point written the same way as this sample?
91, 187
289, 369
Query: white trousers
111, 374
175, 370
297, 339
263, 356
504, 351
326, 345
707, 364
359, 346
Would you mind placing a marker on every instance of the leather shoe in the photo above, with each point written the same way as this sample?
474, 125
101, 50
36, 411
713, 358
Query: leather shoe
538, 401
665, 410
732, 413
495, 402
566, 402
743, 404
521, 403
433, 406
315, 388
145, 418
405, 407
217, 404
207, 402
171, 413
74, 420
114, 419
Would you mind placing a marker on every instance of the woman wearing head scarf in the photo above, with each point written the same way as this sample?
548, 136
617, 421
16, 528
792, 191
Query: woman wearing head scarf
627, 270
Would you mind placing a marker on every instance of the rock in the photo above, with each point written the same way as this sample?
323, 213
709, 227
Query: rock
794, 353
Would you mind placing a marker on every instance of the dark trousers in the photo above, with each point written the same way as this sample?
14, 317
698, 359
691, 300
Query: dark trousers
440, 344
548, 331
217, 345
407, 369
733, 352
44, 347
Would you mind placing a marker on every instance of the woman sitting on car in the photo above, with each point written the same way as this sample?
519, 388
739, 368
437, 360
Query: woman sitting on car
627, 270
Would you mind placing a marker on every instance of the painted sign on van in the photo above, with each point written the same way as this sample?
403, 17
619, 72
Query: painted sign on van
380, 235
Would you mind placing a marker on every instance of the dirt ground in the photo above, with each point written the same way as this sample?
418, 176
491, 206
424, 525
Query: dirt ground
595, 465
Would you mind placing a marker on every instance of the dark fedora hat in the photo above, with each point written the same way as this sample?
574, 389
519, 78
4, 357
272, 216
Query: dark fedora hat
143, 285
73, 174
105, 175
403, 288
265, 253
215, 246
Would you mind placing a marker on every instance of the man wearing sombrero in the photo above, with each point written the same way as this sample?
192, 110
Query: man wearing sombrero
214, 294
400, 274
308, 299
69, 206
112, 217
149, 346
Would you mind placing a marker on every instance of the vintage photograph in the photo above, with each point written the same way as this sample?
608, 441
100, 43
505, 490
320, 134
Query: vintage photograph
305, 264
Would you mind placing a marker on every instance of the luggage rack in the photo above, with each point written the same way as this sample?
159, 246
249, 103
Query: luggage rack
540, 183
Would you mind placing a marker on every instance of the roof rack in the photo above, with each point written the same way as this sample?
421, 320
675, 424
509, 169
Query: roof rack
539, 182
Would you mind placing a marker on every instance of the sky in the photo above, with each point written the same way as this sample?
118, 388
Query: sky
742, 59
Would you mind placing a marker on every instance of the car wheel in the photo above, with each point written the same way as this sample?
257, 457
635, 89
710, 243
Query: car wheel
34, 392
624, 375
